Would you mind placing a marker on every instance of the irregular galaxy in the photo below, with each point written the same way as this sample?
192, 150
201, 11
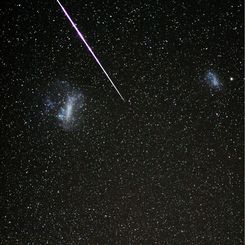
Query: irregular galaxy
66, 105
212, 80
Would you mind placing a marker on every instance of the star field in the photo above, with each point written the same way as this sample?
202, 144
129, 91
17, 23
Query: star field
79, 165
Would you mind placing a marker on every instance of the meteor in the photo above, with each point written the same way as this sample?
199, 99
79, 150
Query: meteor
90, 50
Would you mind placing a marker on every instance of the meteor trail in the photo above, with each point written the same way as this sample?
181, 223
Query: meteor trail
90, 50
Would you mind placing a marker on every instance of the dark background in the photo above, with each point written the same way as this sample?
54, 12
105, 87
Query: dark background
166, 166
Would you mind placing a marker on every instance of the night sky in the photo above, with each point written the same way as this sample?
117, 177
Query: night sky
81, 166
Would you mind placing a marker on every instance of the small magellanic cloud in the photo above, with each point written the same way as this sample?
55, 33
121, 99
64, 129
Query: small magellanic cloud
212, 80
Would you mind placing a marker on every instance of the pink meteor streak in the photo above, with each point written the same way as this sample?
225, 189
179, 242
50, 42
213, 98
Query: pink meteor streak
90, 50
